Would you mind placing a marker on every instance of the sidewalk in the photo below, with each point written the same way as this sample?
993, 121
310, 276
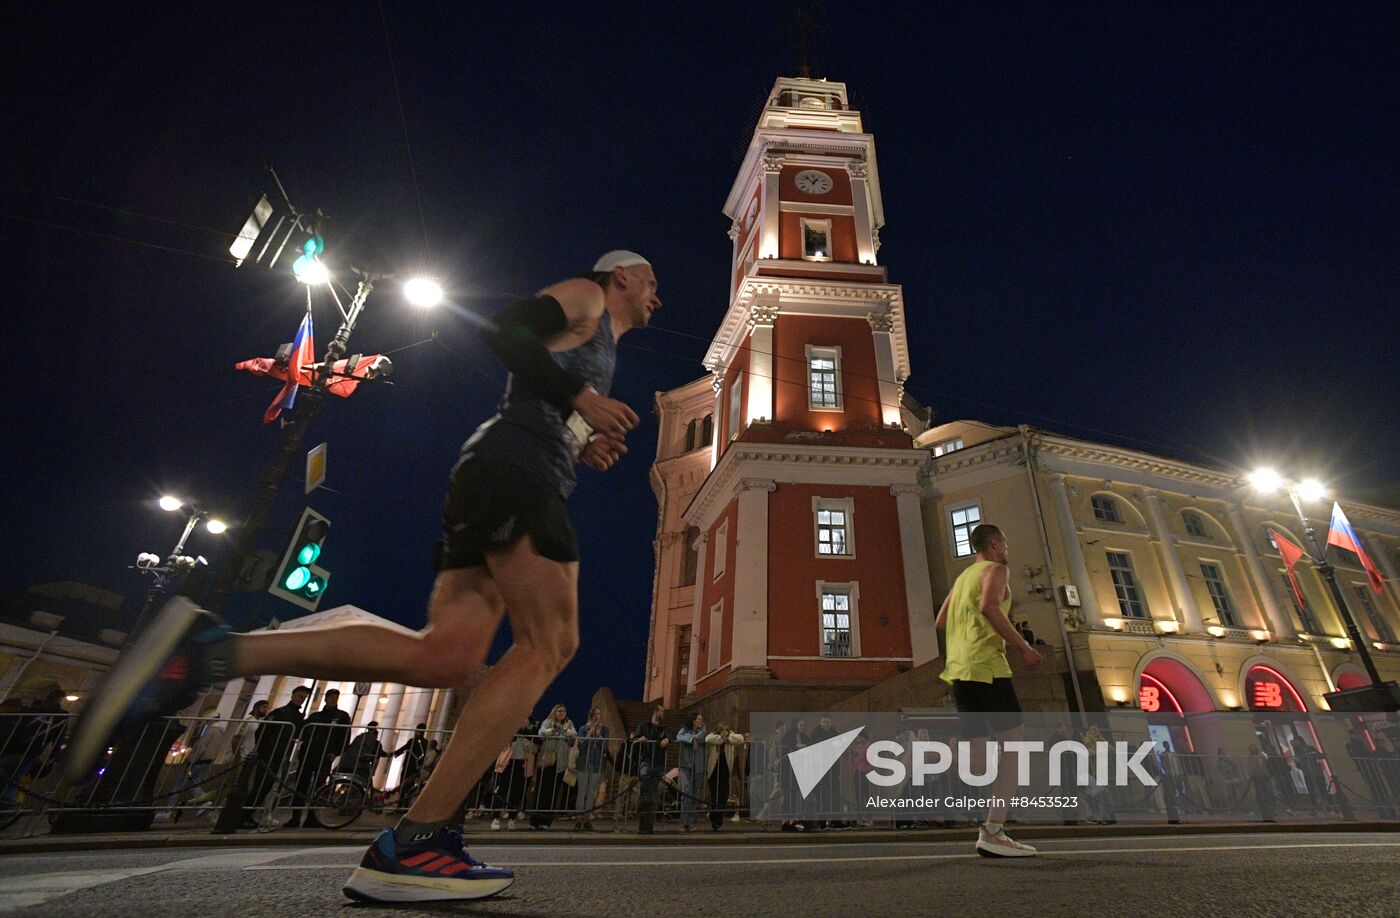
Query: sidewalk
744, 834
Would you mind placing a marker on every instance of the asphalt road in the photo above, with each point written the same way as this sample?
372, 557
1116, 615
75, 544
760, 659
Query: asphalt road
1204, 875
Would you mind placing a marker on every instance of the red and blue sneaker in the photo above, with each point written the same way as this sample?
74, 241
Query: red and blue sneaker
162, 672
436, 868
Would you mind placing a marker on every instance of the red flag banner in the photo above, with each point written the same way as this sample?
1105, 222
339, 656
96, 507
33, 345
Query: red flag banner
1291, 553
1341, 534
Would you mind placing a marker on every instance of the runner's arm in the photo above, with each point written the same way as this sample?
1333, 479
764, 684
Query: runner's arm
941, 622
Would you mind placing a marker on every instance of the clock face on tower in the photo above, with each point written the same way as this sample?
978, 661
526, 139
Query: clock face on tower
812, 181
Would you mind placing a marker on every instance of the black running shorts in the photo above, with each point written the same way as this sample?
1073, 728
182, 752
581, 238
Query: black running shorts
490, 505
985, 708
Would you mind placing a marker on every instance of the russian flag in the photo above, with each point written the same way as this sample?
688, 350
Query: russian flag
1340, 534
303, 354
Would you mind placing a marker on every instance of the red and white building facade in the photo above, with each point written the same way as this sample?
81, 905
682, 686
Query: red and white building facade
791, 561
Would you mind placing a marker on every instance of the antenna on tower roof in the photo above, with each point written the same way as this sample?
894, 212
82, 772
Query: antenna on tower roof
809, 24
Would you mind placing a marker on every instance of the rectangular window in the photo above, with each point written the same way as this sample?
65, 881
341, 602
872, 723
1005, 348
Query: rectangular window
736, 406
1305, 617
716, 631
964, 520
816, 239
1363, 598
1130, 602
834, 528
1106, 509
721, 548
824, 378
836, 623
1219, 595
1193, 524
947, 446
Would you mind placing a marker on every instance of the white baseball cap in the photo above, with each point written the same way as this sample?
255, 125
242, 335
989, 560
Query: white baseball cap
618, 258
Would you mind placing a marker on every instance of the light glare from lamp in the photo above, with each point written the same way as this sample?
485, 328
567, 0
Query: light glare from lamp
1311, 489
1265, 480
423, 292
216, 526
170, 504
314, 274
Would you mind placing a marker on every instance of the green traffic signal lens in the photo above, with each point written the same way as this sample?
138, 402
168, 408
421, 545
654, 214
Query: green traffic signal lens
314, 586
308, 554
297, 579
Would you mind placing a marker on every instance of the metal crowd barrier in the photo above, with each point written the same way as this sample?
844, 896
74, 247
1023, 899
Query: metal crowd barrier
186, 768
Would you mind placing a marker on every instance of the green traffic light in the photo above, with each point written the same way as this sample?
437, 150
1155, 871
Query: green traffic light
309, 553
297, 579
314, 586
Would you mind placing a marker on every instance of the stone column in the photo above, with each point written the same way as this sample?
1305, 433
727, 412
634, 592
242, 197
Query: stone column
1280, 623
388, 734
923, 636
228, 701
1074, 555
860, 197
882, 328
697, 603
768, 235
750, 644
1186, 600
716, 383
440, 722
761, 381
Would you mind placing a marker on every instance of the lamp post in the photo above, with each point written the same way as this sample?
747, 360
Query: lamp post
177, 563
420, 291
1384, 696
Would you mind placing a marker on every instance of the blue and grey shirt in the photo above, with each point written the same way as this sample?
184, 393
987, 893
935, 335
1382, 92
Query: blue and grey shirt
529, 432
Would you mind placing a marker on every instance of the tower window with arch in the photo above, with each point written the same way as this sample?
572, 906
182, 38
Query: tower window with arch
1194, 524
1106, 509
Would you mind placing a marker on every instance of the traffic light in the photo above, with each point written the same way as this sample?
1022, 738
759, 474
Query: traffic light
299, 579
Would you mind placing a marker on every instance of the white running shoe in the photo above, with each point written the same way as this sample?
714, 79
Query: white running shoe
1001, 845
510, 826
496, 824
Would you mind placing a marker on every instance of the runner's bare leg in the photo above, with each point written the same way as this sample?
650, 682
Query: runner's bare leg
541, 598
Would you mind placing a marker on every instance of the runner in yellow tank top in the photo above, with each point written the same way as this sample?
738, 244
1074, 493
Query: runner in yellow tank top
974, 653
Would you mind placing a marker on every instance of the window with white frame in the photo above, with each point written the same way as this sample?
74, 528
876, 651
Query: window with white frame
816, 239
736, 406
947, 446
716, 635
963, 520
838, 617
721, 548
692, 556
1125, 584
1220, 594
1194, 524
1363, 599
1105, 509
833, 521
824, 378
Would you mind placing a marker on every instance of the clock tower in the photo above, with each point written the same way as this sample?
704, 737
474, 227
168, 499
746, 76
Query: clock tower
791, 567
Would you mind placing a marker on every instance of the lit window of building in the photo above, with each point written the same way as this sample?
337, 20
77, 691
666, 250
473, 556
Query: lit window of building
1220, 595
836, 623
964, 520
1106, 509
834, 528
816, 239
1363, 599
1130, 601
824, 377
947, 446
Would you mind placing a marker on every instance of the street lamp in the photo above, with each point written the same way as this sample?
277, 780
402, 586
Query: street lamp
177, 563
424, 292
1384, 696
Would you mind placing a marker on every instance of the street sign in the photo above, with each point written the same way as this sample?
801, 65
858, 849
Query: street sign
315, 467
361, 688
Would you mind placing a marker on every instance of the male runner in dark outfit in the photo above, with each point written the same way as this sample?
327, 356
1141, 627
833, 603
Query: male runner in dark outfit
507, 548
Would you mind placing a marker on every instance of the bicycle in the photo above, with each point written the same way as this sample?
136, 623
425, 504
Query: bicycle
345, 796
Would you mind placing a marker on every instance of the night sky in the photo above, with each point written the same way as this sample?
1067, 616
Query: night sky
1171, 227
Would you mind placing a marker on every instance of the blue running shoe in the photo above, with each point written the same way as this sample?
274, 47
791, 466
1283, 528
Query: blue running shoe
435, 869
161, 673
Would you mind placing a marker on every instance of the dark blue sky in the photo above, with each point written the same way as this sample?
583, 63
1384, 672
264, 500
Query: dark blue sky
1170, 226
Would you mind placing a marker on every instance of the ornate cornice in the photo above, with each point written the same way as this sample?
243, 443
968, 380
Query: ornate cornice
804, 296
758, 484
858, 169
773, 162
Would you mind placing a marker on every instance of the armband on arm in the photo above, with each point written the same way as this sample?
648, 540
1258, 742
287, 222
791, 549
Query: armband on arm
517, 340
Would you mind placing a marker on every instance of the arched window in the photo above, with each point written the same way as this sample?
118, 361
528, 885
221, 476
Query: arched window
707, 430
690, 436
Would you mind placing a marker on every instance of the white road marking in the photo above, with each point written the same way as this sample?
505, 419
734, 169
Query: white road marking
873, 857
35, 889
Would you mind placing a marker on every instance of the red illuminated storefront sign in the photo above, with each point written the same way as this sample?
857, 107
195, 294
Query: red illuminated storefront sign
1150, 699
1268, 695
